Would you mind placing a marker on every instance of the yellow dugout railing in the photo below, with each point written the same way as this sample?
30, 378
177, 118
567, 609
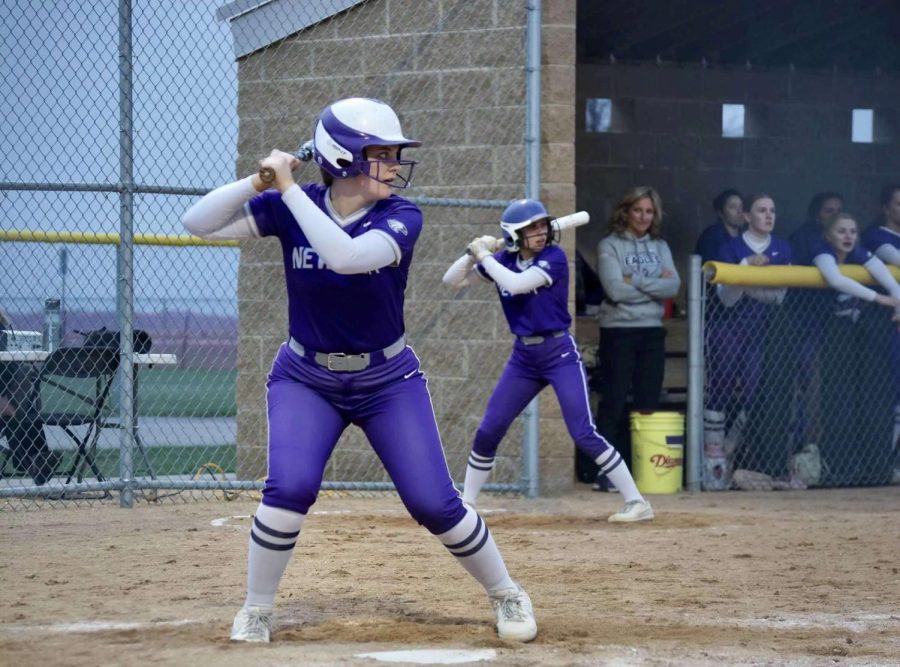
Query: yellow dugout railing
25, 236
720, 273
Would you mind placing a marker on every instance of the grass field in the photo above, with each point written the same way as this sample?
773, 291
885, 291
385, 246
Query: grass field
163, 460
163, 393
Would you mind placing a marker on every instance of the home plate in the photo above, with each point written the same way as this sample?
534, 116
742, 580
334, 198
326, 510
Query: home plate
449, 656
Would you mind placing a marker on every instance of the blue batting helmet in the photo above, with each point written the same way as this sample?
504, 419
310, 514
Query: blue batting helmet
519, 215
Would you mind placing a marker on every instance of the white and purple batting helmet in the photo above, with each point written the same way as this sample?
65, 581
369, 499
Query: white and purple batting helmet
346, 127
519, 215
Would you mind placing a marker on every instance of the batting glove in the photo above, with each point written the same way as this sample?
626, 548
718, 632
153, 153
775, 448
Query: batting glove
481, 248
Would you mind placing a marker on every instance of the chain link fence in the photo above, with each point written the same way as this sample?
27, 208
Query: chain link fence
117, 115
802, 389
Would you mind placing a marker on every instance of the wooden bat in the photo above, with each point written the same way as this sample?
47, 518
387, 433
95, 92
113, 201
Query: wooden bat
304, 153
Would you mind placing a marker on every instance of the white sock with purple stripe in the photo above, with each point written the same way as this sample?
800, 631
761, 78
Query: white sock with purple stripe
478, 470
471, 542
272, 538
613, 466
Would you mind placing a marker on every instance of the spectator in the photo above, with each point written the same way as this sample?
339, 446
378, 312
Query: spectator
638, 274
729, 208
884, 242
734, 361
20, 418
855, 446
822, 207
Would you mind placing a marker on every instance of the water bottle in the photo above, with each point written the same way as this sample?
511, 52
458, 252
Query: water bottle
52, 324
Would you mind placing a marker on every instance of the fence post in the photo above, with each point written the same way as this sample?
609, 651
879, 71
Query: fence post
125, 263
531, 414
695, 384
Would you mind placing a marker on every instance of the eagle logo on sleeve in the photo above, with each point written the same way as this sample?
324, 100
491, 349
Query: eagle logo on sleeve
544, 264
397, 227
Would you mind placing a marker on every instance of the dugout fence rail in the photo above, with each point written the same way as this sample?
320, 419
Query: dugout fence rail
119, 114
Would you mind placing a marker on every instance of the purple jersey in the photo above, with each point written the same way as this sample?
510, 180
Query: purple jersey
736, 250
546, 308
875, 237
331, 312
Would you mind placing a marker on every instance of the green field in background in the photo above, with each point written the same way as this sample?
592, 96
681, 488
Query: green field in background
163, 460
163, 392
187, 392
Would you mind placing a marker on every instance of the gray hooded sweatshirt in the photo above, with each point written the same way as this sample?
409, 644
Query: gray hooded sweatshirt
640, 302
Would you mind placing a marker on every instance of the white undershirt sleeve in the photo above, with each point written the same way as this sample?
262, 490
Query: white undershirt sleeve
341, 252
885, 278
510, 281
837, 280
459, 272
888, 254
222, 214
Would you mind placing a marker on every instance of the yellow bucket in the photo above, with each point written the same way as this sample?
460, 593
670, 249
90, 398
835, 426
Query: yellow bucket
657, 451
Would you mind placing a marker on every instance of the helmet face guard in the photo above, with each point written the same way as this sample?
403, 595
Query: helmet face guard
348, 127
519, 215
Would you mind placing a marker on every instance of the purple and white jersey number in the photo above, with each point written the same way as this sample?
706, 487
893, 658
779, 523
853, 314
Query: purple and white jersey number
546, 308
331, 312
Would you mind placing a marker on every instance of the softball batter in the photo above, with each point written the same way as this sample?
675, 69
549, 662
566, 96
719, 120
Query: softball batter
532, 279
347, 247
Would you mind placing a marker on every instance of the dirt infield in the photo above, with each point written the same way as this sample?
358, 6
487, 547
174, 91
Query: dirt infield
790, 578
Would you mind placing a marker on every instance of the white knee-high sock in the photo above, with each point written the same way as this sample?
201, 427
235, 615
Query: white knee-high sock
272, 538
613, 466
472, 544
478, 470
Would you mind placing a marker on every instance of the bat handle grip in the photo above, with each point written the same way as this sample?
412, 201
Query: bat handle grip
267, 175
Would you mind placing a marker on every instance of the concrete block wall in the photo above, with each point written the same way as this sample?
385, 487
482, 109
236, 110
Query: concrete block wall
454, 71
799, 124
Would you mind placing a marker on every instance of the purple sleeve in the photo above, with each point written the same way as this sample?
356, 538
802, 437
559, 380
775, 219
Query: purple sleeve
268, 212
272, 215
554, 263
859, 255
822, 248
403, 224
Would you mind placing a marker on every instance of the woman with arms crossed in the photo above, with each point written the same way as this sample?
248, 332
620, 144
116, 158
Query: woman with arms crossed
638, 274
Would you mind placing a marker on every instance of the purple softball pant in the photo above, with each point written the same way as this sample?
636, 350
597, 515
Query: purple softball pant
530, 368
308, 409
